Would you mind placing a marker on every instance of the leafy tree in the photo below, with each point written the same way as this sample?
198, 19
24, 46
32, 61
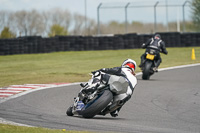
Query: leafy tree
57, 30
6, 33
196, 12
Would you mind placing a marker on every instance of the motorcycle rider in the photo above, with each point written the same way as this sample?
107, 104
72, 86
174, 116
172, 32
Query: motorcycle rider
154, 43
128, 80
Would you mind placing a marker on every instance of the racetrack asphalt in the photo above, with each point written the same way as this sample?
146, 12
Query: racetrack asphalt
167, 103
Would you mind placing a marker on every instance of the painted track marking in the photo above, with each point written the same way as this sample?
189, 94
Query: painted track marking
15, 89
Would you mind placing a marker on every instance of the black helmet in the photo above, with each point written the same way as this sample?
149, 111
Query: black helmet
157, 36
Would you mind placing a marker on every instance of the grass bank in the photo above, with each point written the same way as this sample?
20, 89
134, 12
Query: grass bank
75, 66
20, 129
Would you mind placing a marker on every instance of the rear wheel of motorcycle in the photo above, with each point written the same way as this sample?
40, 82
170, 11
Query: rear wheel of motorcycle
69, 111
97, 105
146, 70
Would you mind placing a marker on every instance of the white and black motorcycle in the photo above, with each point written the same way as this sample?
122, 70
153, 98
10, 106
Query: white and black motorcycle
96, 96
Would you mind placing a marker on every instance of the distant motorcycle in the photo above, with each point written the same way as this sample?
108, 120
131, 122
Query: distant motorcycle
149, 64
94, 98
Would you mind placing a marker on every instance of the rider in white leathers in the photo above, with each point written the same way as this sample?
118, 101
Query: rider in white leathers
123, 79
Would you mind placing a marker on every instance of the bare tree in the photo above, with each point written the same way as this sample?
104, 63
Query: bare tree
29, 23
68, 17
39, 23
92, 27
22, 22
3, 16
35, 23
47, 22
4, 19
78, 21
59, 17
11, 22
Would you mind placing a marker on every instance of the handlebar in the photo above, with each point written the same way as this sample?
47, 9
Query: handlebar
96, 73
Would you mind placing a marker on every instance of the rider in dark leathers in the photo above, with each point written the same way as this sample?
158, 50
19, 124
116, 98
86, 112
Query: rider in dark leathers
154, 43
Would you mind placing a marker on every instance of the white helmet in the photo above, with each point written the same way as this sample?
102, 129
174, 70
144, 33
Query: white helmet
129, 63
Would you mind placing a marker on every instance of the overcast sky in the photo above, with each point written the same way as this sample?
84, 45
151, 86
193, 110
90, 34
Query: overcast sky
106, 15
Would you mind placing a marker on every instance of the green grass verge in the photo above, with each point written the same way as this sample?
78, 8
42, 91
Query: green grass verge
21, 129
76, 66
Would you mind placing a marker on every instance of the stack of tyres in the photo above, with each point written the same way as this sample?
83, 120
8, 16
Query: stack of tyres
80, 43
142, 38
130, 41
4, 48
197, 39
194, 39
14, 46
171, 39
95, 44
103, 43
89, 43
37, 44
118, 42
72, 43
32, 43
185, 39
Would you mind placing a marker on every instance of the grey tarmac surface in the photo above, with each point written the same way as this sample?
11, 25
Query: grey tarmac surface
168, 103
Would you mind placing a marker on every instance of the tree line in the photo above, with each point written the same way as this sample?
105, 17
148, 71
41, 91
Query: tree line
31, 23
62, 22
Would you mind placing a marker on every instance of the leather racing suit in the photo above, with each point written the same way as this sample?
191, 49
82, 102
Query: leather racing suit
156, 44
120, 77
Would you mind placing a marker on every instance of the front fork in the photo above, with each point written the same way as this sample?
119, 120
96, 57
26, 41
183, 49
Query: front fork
77, 106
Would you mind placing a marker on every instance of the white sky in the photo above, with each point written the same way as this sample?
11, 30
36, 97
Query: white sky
106, 15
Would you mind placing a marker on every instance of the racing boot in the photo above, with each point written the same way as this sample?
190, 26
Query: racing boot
140, 65
157, 63
114, 113
142, 62
155, 69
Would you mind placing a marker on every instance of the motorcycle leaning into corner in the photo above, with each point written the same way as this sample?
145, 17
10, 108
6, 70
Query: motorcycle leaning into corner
105, 92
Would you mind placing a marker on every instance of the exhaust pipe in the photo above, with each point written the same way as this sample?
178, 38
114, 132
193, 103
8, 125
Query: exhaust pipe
113, 107
116, 105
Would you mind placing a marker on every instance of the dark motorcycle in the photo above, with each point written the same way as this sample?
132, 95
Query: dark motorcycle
149, 64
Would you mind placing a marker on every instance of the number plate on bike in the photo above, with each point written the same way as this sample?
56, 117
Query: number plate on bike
150, 56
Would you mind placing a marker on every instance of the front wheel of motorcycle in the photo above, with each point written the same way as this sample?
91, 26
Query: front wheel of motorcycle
69, 111
97, 104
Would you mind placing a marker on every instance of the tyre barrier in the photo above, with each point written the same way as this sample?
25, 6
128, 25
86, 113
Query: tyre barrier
37, 44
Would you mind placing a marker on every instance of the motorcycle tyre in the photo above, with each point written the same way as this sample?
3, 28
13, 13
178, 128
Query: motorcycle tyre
146, 72
98, 105
69, 111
